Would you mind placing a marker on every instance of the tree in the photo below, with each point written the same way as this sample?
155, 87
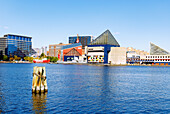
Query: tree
53, 59
11, 58
18, 58
30, 59
5, 57
15, 57
26, 58
48, 57
42, 55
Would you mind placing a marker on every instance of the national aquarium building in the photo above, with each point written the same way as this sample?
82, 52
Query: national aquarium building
11, 45
98, 50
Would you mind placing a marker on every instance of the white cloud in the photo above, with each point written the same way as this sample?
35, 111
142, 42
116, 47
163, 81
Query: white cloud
5, 27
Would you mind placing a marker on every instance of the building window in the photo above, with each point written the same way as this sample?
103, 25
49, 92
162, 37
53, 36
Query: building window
13, 37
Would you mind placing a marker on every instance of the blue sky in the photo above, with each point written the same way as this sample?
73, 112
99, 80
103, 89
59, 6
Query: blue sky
134, 23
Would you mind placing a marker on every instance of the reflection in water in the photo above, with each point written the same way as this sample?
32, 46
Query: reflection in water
39, 102
105, 88
1, 100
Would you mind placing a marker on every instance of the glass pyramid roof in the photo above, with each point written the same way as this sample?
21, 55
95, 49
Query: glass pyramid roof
105, 38
156, 50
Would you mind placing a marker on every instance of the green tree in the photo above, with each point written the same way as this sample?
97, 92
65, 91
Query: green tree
5, 57
11, 58
42, 55
30, 59
18, 58
26, 58
54, 59
48, 57
15, 57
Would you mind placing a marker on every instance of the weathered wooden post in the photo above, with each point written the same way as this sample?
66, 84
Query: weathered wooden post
35, 78
39, 82
45, 79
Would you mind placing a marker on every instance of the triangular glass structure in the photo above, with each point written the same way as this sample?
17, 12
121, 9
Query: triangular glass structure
105, 38
156, 50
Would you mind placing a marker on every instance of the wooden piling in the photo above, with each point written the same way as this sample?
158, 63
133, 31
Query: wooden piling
39, 83
34, 82
45, 79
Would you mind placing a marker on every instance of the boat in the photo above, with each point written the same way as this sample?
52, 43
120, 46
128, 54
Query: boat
44, 60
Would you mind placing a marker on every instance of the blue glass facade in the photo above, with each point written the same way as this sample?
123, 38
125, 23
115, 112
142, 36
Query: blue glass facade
18, 45
71, 46
84, 40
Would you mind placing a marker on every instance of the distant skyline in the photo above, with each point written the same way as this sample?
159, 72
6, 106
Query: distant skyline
134, 23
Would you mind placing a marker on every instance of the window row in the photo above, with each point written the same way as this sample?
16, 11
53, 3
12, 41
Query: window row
157, 56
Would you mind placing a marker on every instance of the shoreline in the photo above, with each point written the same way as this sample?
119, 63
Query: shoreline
23, 62
112, 64
15, 62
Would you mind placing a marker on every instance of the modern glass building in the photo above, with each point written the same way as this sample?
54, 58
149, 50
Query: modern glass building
156, 50
16, 45
84, 40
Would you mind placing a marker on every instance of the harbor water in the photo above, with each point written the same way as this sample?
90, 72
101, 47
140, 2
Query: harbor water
86, 89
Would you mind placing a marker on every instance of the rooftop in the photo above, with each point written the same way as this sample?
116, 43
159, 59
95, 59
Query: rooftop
156, 50
2, 37
105, 38
60, 44
17, 35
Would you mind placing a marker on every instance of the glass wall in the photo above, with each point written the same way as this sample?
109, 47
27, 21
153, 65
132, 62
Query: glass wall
84, 40
18, 45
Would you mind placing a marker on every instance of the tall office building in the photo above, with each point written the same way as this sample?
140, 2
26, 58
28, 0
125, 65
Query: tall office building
98, 50
84, 40
3, 45
11, 45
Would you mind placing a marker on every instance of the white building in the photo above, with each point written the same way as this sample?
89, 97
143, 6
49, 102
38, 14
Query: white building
39, 51
44, 50
94, 54
117, 55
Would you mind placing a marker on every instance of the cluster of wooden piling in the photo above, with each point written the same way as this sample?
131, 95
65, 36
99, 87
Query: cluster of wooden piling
39, 82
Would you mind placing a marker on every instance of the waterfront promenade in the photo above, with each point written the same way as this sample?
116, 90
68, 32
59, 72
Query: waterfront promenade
86, 89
